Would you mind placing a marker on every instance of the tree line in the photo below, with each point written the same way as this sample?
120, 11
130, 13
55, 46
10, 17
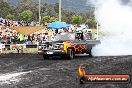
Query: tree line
27, 10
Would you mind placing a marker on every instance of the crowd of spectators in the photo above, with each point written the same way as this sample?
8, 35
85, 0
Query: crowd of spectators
12, 23
8, 36
13, 37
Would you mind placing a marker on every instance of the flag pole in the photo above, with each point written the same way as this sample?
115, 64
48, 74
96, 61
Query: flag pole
39, 11
59, 10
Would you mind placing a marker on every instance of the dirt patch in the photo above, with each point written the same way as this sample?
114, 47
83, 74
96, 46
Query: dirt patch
26, 30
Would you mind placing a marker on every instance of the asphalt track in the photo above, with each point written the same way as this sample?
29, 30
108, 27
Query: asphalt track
31, 71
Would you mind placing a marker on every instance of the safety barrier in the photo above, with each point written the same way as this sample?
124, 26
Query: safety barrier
18, 48
23, 45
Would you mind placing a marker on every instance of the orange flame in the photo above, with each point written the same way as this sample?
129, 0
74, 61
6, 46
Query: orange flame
81, 71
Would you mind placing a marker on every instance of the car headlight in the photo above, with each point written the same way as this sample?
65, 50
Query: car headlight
39, 47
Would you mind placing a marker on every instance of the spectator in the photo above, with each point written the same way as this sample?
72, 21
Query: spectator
52, 36
8, 39
0, 37
43, 39
13, 39
29, 40
90, 34
95, 36
21, 38
25, 38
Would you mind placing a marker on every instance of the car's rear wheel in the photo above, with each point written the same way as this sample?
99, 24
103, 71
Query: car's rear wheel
45, 57
90, 53
70, 53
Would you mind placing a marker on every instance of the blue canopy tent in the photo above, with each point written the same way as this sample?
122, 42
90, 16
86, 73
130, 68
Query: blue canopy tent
58, 25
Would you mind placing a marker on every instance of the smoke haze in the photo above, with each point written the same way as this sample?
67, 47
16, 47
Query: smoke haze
115, 19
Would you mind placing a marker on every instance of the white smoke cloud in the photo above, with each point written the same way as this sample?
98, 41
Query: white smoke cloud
115, 21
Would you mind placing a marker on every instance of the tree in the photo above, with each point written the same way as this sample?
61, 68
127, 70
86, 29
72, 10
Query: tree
91, 22
53, 19
56, 7
26, 15
9, 16
4, 8
48, 19
66, 16
66, 19
69, 20
63, 18
25, 1
76, 19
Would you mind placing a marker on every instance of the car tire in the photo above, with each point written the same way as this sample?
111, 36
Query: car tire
82, 80
45, 57
70, 53
90, 54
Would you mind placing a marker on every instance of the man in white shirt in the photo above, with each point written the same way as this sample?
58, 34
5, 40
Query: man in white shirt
52, 37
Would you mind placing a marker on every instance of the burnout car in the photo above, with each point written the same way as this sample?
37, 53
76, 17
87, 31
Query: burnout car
67, 45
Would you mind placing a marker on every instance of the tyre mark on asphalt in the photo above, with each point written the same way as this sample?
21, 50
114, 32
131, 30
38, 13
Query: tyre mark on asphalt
61, 73
8, 78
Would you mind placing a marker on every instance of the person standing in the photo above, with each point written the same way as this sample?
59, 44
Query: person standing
56, 31
29, 40
90, 34
13, 39
21, 38
0, 48
38, 39
95, 36
0, 37
25, 38
52, 37
8, 39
